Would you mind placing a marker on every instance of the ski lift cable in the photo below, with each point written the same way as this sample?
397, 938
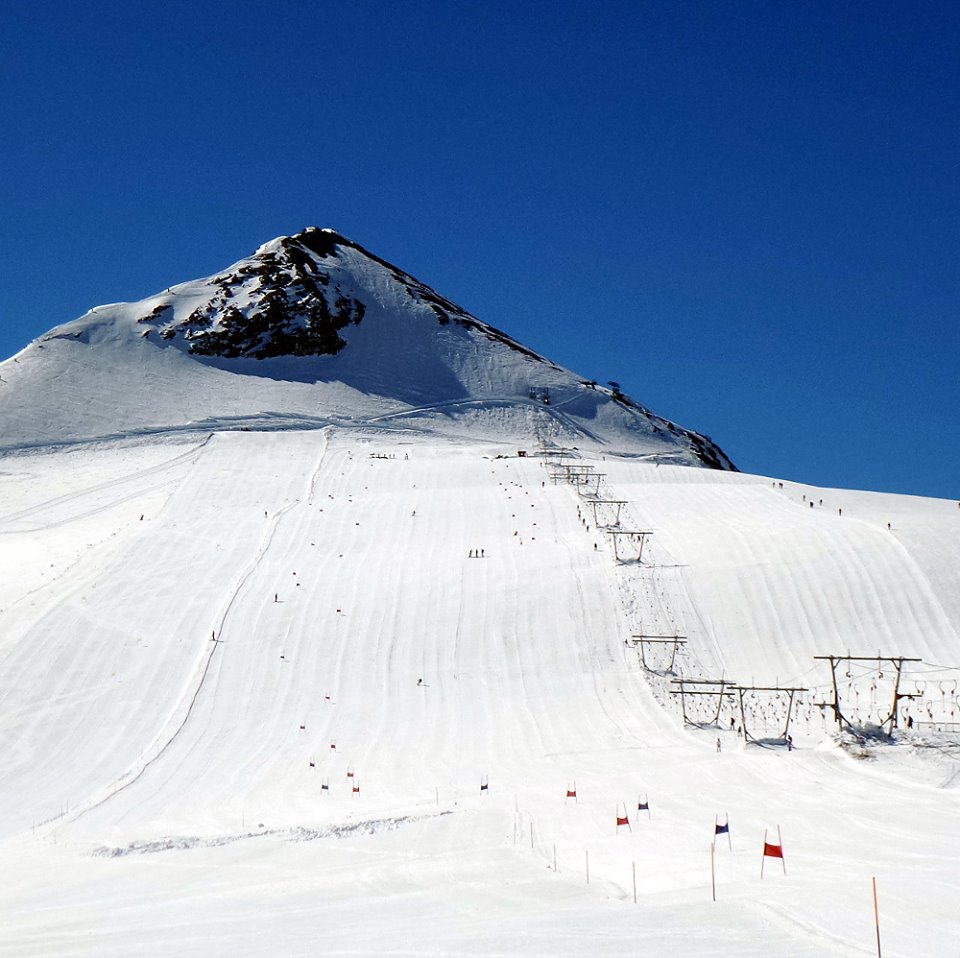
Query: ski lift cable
937, 668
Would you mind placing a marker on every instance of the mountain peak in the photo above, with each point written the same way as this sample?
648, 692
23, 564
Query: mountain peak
320, 240
278, 302
294, 297
308, 326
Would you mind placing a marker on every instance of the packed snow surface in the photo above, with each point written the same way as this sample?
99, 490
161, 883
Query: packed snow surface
200, 632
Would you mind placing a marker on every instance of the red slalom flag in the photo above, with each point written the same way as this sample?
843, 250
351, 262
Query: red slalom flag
773, 851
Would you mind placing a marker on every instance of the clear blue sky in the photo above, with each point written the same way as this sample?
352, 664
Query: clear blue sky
747, 213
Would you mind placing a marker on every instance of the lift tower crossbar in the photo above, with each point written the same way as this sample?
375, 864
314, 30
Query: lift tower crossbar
640, 641
581, 483
631, 533
573, 475
726, 688
895, 660
597, 501
792, 690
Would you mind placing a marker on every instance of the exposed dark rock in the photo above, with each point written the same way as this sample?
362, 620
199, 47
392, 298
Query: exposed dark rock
155, 313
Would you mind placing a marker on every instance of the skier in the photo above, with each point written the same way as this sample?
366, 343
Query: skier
718, 745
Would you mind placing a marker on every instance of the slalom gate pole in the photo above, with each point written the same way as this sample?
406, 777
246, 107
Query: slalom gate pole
554, 859
764, 856
713, 874
783, 860
531, 834
876, 916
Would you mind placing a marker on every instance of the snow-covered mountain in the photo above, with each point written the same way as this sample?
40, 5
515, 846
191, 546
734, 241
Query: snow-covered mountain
298, 655
311, 329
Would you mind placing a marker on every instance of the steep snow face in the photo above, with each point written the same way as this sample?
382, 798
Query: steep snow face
313, 329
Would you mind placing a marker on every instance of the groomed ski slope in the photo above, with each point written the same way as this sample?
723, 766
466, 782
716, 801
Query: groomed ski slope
162, 791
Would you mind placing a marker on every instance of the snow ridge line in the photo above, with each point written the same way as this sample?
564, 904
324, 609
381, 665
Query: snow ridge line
447, 404
297, 834
244, 576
